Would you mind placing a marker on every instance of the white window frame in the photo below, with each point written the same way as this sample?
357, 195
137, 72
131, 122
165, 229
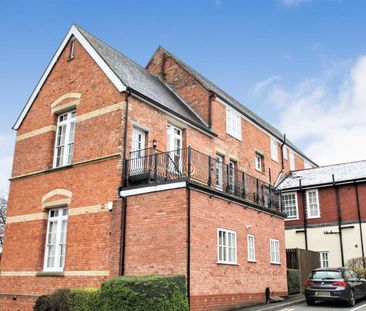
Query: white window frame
294, 217
233, 123
174, 147
58, 220
324, 259
274, 149
308, 204
226, 247
66, 159
138, 160
231, 177
258, 164
251, 247
138, 141
285, 152
219, 171
292, 160
274, 250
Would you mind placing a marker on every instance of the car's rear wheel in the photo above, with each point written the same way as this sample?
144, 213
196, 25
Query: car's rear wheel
352, 298
310, 302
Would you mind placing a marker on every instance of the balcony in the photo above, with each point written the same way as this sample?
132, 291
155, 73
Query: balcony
150, 166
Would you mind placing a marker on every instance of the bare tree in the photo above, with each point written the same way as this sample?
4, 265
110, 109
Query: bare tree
3, 209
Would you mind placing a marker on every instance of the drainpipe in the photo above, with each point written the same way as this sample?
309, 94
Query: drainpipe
339, 218
304, 214
123, 184
188, 243
282, 161
125, 134
283, 143
360, 224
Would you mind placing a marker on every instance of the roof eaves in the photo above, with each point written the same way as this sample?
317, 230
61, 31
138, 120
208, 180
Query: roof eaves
200, 126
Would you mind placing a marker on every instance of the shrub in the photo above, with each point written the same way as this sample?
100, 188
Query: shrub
56, 301
84, 299
361, 272
153, 293
293, 281
355, 263
42, 304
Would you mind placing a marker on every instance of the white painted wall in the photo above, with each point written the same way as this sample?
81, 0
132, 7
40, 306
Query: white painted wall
318, 241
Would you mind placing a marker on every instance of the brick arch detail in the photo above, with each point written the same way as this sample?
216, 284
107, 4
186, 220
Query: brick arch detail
57, 196
66, 101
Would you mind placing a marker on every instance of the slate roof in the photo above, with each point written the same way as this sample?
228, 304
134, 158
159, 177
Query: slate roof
139, 79
236, 104
323, 175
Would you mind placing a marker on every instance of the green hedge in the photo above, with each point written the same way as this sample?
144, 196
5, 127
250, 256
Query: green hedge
84, 299
293, 281
81, 299
153, 293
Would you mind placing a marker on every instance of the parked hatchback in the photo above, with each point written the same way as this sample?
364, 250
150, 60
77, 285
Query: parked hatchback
334, 284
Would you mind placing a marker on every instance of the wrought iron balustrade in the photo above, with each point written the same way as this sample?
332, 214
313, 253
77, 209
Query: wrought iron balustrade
152, 166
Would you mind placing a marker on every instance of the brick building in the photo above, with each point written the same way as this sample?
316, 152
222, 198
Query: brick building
333, 198
125, 170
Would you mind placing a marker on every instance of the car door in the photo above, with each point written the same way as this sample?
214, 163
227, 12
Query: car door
363, 285
360, 284
355, 283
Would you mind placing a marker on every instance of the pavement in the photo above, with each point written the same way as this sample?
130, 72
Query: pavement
290, 301
297, 303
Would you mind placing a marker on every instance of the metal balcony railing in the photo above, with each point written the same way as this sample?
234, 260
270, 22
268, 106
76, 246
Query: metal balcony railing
152, 166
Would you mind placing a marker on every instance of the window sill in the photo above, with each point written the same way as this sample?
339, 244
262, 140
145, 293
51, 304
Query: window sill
50, 274
59, 167
289, 219
227, 263
276, 263
313, 217
237, 138
251, 261
260, 171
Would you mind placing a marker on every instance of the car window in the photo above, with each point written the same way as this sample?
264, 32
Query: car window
353, 274
347, 275
328, 275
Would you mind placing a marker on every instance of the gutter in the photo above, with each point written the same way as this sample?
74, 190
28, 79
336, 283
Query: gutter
200, 127
328, 184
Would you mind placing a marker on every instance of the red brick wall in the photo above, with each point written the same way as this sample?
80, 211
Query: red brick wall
156, 233
187, 86
328, 205
215, 286
253, 139
92, 238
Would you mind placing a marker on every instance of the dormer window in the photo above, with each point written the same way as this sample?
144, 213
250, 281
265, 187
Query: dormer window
64, 144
